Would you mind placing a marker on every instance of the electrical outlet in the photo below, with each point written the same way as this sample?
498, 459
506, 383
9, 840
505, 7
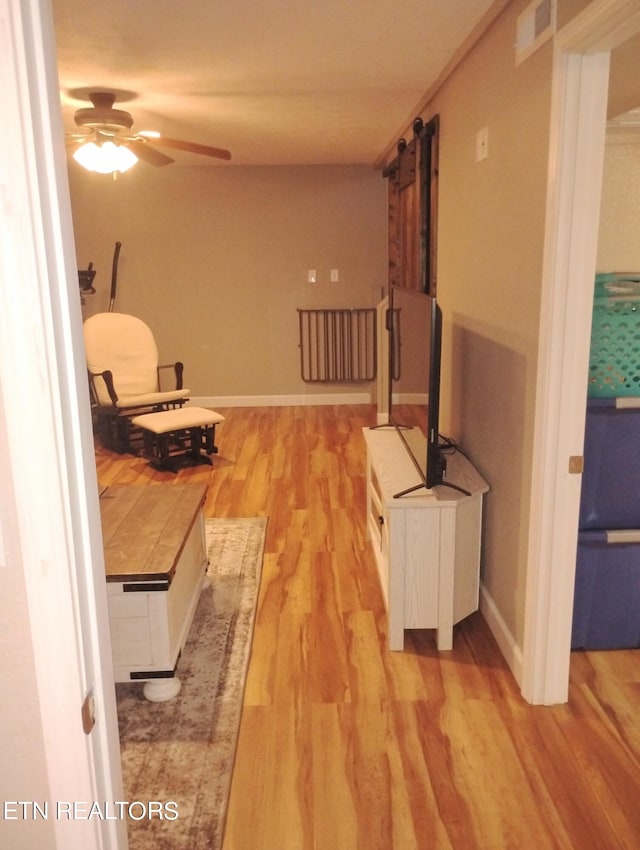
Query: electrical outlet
482, 144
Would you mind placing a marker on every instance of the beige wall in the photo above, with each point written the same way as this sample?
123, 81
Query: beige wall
215, 259
491, 231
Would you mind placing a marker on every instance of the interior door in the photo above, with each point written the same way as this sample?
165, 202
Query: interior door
49, 499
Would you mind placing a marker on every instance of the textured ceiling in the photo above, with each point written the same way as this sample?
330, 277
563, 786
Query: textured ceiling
277, 82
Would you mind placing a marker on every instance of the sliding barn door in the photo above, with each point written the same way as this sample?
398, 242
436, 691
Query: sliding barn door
413, 196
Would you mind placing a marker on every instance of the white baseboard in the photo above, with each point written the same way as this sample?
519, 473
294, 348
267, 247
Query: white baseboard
499, 629
280, 400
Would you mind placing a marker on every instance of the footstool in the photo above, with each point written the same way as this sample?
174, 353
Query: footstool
175, 438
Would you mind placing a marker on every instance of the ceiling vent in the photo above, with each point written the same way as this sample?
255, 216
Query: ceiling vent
535, 26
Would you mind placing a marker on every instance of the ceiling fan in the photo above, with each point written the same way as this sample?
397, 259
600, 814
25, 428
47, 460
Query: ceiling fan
101, 123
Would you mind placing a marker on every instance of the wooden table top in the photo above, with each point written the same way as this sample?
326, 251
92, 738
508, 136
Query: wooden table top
144, 528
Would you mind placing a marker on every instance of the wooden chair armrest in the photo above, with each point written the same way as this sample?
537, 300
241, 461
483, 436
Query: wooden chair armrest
178, 369
107, 377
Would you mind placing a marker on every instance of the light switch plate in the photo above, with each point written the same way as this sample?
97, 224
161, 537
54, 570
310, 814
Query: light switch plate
482, 144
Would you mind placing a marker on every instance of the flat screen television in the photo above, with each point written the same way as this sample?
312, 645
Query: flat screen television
414, 322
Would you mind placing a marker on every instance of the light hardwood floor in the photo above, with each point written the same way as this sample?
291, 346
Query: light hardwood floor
347, 746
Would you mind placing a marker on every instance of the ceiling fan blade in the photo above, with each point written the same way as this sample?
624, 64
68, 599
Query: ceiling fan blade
191, 147
149, 154
71, 139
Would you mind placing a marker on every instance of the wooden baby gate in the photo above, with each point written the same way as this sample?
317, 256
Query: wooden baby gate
338, 345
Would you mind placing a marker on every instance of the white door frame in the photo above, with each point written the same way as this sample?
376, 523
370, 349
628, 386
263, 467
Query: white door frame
49, 507
576, 155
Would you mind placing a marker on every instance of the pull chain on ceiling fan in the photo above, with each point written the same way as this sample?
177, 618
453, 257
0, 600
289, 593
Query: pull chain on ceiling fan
107, 144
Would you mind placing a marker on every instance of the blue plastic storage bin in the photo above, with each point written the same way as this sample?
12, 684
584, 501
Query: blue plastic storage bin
606, 608
610, 496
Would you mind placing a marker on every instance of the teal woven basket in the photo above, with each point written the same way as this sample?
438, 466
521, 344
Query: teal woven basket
614, 362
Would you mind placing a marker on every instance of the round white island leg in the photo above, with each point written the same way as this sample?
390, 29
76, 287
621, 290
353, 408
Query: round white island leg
160, 690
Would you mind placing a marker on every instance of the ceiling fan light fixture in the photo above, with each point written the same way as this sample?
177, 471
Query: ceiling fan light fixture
105, 158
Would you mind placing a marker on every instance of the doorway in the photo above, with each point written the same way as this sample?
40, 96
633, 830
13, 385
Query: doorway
576, 154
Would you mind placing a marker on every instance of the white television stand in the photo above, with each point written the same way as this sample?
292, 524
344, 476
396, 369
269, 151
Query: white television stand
426, 543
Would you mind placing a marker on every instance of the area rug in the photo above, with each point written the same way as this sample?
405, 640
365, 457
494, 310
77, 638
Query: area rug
181, 752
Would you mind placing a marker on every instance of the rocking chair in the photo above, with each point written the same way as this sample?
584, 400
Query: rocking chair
124, 377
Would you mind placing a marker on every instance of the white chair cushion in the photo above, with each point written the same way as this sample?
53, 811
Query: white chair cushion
177, 420
151, 398
125, 346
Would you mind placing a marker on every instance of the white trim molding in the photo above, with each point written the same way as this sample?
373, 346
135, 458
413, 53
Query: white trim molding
280, 400
501, 632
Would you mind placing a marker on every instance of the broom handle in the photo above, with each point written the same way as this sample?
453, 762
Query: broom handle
114, 275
